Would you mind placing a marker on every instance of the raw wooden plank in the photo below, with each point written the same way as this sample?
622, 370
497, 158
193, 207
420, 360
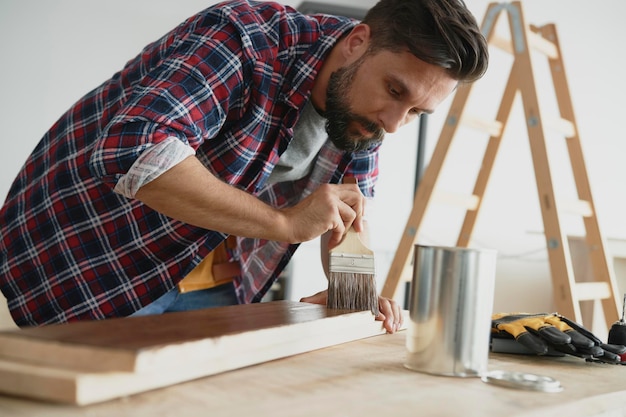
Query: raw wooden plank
209, 342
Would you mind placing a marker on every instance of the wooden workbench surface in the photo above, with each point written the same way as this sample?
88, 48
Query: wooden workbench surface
363, 378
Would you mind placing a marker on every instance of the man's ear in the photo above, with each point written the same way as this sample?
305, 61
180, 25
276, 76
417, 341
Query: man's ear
356, 42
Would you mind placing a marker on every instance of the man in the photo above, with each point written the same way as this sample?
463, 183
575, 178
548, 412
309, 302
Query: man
217, 130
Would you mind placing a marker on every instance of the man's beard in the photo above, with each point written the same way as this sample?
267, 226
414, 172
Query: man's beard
339, 116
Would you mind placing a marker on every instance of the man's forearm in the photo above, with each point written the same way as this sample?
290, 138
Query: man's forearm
190, 193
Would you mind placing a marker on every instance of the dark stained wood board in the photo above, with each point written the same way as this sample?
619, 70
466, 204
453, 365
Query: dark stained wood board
87, 362
122, 339
140, 332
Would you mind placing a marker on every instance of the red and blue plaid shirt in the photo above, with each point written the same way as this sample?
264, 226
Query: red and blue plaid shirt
229, 83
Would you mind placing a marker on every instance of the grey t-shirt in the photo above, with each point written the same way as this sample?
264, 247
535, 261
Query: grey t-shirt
309, 135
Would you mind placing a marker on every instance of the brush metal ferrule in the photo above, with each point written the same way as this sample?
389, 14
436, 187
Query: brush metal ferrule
351, 263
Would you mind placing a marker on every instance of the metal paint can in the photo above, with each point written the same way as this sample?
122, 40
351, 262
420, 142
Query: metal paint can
451, 303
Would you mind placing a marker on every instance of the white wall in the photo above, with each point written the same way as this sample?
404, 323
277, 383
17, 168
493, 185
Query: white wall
55, 51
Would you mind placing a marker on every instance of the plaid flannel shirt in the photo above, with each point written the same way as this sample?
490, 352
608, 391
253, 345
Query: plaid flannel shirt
229, 83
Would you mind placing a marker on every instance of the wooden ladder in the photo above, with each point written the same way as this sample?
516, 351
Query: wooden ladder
567, 292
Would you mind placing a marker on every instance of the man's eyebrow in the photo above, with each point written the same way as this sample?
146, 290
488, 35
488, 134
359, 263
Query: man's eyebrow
405, 88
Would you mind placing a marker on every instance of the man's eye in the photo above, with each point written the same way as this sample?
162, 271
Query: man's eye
393, 91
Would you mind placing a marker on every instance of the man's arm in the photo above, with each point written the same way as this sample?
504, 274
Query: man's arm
190, 193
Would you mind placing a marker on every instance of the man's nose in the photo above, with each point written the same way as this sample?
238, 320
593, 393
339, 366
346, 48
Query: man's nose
393, 119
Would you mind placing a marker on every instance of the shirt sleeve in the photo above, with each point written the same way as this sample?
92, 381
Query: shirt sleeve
153, 162
180, 87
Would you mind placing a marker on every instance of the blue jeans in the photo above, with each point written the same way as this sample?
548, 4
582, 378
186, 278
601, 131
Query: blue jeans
223, 295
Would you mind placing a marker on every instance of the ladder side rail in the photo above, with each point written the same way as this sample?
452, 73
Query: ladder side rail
558, 248
595, 242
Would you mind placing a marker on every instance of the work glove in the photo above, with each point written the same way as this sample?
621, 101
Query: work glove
543, 332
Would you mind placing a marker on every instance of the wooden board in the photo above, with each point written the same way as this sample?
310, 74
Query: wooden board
87, 362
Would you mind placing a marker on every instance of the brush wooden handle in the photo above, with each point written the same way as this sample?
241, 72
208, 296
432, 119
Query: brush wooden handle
351, 243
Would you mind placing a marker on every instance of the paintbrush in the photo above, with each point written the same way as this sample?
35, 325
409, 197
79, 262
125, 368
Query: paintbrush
351, 273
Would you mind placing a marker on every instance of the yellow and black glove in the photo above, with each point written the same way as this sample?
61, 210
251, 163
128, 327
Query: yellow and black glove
543, 332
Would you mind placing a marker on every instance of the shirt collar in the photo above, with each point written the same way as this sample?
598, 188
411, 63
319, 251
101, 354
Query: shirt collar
299, 81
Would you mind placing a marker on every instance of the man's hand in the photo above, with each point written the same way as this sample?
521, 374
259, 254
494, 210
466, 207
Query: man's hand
389, 313
331, 208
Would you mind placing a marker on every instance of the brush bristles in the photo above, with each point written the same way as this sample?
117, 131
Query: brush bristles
352, 291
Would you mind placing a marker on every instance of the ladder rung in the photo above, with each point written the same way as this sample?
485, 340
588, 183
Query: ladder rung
501, 43
493, 127
586, 291
562, 125
537, 42
543, 45
579, 207
468, 202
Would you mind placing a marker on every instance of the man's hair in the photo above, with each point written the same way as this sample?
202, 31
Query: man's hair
440, 32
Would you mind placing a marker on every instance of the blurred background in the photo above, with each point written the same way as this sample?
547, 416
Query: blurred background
54, 52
